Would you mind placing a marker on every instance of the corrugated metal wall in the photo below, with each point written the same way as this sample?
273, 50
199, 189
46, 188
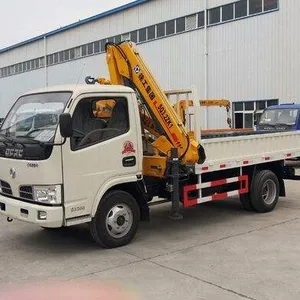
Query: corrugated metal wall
250, 59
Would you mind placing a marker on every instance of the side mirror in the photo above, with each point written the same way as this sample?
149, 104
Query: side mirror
65, 125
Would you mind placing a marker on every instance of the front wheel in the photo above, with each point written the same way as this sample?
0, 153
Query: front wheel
116, 220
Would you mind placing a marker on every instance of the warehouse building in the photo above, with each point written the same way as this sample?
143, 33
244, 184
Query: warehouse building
245, 51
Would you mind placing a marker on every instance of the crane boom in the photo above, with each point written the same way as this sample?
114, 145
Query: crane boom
181, 107
126, 67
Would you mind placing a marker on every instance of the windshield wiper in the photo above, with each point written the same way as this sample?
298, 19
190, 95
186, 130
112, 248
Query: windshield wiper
283, 124
32, 140
10, 140
266, 124
6, 138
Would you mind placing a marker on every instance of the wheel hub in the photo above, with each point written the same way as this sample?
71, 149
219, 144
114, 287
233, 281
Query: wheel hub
269, 192
119, 221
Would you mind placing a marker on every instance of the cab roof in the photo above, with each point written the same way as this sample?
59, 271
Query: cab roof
82, 89
285, 106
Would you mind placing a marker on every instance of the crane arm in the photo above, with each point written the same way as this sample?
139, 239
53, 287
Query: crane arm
126, 67
216, 102
181, 107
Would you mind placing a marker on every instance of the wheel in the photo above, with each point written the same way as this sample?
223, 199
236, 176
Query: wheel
246, 202
264, 192
116, 220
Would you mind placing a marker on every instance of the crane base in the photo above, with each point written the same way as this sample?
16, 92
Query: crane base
176, 216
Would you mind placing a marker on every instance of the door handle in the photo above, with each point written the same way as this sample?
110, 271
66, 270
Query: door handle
129, 161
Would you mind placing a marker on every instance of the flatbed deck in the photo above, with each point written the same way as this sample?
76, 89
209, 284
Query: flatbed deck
225, 151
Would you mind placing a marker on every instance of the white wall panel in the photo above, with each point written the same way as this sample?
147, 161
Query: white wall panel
77, 70
12, 87
24, 53
255, 58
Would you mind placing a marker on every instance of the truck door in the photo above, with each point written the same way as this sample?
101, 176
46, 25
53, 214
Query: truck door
104, 147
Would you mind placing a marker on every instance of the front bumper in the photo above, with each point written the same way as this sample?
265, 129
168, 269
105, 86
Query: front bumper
27, 212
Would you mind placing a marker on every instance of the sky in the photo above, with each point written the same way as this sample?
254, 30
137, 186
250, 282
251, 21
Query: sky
26, 19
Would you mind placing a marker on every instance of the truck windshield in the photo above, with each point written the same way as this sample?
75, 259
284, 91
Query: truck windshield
279, 116
35, 117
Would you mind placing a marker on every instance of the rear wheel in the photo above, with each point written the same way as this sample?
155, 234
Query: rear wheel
264, 192
116, 220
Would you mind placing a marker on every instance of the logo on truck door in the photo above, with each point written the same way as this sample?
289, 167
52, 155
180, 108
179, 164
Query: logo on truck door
128, 148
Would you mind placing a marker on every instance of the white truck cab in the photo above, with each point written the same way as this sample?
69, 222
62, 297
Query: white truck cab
54, 182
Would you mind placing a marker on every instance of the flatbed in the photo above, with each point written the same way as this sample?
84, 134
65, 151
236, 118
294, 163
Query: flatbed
249, 149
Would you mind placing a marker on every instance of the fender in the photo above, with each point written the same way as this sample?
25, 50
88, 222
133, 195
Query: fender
108, 185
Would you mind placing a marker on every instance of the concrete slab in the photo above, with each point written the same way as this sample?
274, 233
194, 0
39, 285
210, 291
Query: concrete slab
29, 254
202, 224
146, 280
263, 264
293, 197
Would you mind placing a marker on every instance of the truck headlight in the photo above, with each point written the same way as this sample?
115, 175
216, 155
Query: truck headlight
50, 194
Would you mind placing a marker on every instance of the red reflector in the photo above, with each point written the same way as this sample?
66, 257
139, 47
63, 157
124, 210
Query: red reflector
245, 162
218, 182
219, 196
267, 158
223, 166
204, 168
289, 155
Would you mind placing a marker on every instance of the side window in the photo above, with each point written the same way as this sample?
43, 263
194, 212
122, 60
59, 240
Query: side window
98, 119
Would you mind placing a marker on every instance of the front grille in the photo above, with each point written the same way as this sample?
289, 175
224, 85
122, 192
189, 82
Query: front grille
5, 188
26, 192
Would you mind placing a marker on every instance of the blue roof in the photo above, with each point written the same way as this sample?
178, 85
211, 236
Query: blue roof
76, 24
287, 106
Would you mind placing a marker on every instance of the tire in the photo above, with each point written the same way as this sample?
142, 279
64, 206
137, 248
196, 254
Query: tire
264, 192
116, 220
246, 202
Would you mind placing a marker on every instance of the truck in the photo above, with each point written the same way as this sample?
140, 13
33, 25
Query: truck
282, 117
107, 167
